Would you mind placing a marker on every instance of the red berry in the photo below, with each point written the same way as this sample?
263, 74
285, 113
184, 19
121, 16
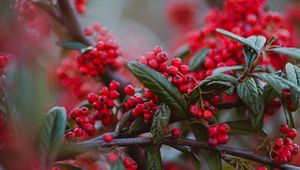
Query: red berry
75, 113
90, 129
279, 142
213, 130
184, 69
148, 94
176, 62
80, 121
212, 141
114, 95
129, 163
78, 131
262, 168
129, 90
176, 132
112, 157
70, 135
207, 114
288, 141
276, 102
224, 128
295, 149
284, 128
114, 85
292, 133
153, 63
194, 109
92, 97
173, 71
84, 111
107, 138
223, 138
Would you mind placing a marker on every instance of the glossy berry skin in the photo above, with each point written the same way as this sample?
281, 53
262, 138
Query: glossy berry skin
90, 129
284, 128
262, 168
292, 133
107, 138
79, 132
129, 90
129, 164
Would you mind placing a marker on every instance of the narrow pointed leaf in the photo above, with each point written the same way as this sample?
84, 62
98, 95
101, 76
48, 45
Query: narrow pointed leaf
227, 68
122, 123
291, 52
244, 127
136, 124
182, 52
153, 156
160, 86
293, 75
73, 45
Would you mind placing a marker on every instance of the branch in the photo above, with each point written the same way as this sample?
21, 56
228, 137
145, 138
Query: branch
142, 141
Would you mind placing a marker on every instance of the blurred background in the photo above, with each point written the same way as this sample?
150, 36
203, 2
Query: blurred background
138, 25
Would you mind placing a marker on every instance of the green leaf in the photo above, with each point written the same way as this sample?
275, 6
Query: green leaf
278, 83
250, 53
189, 153
65, 166
182, 52
212, 158
136, 124
125, 118
252, 96
159, 122
117, 165
244, 127
52, 134
293, 75
198, 59
73, 45
213, 84
291, 52
160, 86
227, 68
153, 156
235, 37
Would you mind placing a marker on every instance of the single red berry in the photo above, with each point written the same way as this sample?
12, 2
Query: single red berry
129, 90
70, 135
78, 131
148, 94
223, 138
131, 101
104, 91
194, 109
173, 71
213, 130
284, 128
90, 129
129, 163
176, 132
114, 85
279, 142
107, 138
292, 133
262, 168
114, 95
84, 111
288, 141
92, 97
295, 149
224, 128
80, 121
215, 100
207, 114
75, 113
88, 32
148, 116
153, 63
276, 102
176, 62
184, 69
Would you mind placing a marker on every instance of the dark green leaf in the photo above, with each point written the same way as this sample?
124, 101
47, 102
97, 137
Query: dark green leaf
136, 124
160, 86
244, 127
198, 59
52, 134
73, 45
65, 166
86, 49
117, 165
269, 93
293, 75
237, 38
125, 118
212, 158
182, 52
227, 68
154, 161
252, 96
291, 52
258, 41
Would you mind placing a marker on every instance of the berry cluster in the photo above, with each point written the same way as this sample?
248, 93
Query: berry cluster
244, 18
94, 62
85, 124
284, 148
80, 5
70, 77
178, 73
176, 132
143, 104
206, 112
102, 110
104, 102
218, 134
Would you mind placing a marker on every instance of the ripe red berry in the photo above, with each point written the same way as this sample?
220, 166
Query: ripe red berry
176, 132
184, 69
90, 129
213, 130
84, 111
279, 142
70, 135
78, 131
92, 97
114, 95
114, 85
194, 109
292, 133
262, 168
207, 114
112, 157
80, 121
295, 149
107, 138
224, 128
129, 163
176, 62
129, 90
284, 128
288, 141
212, 141
223, 138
